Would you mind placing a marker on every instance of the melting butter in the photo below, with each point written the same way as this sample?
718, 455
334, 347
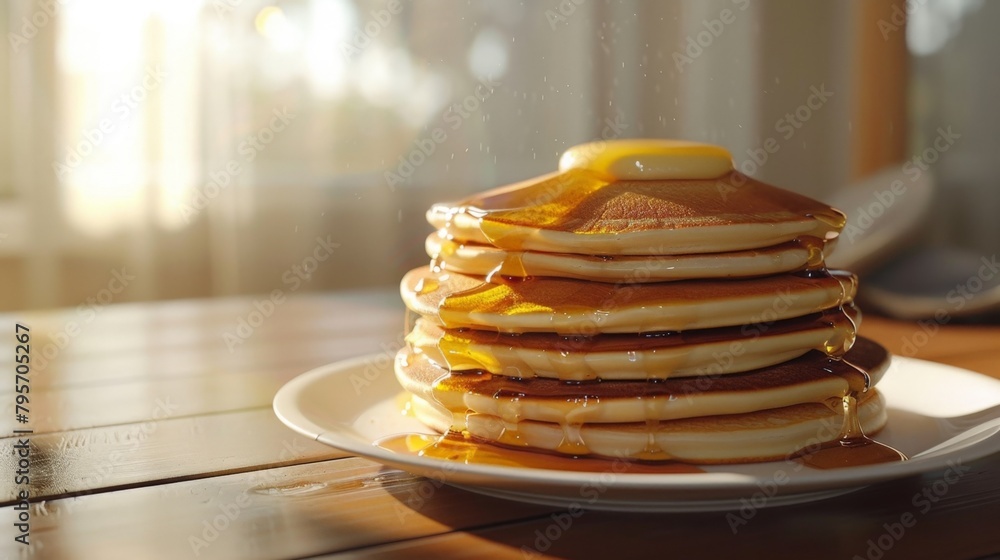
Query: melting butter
649, 159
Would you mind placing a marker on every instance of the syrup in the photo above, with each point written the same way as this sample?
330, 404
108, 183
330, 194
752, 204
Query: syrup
447, 255
468, 349
455, 447
815, 247
599, 187
852, 448
566, 304
507, 219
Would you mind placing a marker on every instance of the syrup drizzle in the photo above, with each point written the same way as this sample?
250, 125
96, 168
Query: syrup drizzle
805, 252
455, 447
852, 447
553, 201
565, 356
815, 248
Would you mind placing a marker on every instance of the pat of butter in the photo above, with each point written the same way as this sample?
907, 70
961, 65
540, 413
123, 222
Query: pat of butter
652, 159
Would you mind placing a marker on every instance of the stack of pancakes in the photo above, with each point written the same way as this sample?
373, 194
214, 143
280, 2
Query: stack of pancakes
647, 302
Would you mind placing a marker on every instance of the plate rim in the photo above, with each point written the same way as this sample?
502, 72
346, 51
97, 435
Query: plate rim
287, 412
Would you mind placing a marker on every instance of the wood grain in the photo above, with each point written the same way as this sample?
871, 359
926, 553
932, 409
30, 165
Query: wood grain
284, 512
839, 527
141, 401
956, 345
121, 343
150, 427
99, 459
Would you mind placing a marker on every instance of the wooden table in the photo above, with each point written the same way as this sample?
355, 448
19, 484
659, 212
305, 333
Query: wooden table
151, 426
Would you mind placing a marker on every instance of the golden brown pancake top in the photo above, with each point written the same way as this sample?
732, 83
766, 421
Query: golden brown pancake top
579, 201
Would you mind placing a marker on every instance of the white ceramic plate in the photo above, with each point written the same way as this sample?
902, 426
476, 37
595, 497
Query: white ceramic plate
938, 415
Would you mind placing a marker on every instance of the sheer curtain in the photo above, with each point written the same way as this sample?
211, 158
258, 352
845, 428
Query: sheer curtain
211, 147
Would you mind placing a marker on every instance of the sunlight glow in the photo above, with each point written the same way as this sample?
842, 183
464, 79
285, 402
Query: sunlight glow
272, 23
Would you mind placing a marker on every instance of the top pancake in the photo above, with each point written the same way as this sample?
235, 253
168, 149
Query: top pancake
582, 212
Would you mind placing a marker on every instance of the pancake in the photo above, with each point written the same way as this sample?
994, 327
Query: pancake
648, 302
661, 355
766, 435
580, 212
566, 306
483, 260
812, 378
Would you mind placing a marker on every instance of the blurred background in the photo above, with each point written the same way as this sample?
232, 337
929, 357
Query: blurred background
202, 148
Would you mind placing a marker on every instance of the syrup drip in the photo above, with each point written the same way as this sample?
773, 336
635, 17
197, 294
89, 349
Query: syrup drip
572, 443
852, 447
510, 269
469, 349
506, 218
833, 218
558, 203
455, 447
445, 254
509, 408
815, 259
426, 285
576, 306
